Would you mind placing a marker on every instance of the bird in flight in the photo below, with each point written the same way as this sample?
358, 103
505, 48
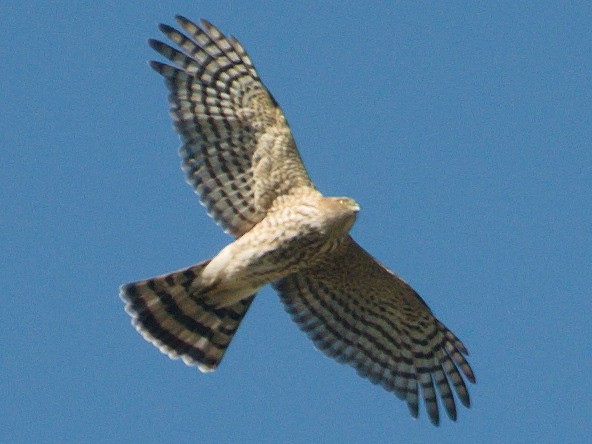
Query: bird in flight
239, 155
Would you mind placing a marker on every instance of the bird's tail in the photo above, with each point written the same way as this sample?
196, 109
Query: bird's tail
170, 312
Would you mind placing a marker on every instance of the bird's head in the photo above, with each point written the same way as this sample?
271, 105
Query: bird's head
341, 212
347, 203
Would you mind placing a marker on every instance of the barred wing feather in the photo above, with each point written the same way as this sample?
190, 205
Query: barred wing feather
237, 149
360, 313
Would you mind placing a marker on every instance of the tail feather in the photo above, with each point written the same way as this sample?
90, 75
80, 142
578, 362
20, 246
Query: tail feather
170, 313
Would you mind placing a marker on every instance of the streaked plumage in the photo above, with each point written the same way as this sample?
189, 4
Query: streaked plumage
239, 155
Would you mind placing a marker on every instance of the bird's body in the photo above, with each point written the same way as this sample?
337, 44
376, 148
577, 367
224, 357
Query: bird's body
296, 232
239, 155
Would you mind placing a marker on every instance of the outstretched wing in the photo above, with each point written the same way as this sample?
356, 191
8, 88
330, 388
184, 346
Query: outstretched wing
358, 312
237, 149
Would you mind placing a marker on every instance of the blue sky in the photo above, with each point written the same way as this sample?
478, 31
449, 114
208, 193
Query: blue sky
464, 131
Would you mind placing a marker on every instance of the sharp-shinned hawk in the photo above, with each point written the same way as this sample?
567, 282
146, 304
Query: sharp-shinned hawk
239, 155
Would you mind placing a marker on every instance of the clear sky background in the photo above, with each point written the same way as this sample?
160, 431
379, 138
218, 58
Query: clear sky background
463, 130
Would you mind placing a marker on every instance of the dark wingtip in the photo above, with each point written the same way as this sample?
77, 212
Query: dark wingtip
156, 66
466, 400
206, 23
469, 373
434, 414
183, 20
166, 29
452, 415
450, 407
157, 45
413, 409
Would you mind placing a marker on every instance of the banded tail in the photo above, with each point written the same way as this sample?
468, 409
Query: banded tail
171, 314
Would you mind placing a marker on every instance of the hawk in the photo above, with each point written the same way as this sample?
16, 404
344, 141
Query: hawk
238, 153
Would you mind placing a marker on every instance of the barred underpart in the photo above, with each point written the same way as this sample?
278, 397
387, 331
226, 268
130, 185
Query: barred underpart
239, 155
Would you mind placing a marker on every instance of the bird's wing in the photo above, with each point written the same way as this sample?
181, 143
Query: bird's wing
360, 313
237, 148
